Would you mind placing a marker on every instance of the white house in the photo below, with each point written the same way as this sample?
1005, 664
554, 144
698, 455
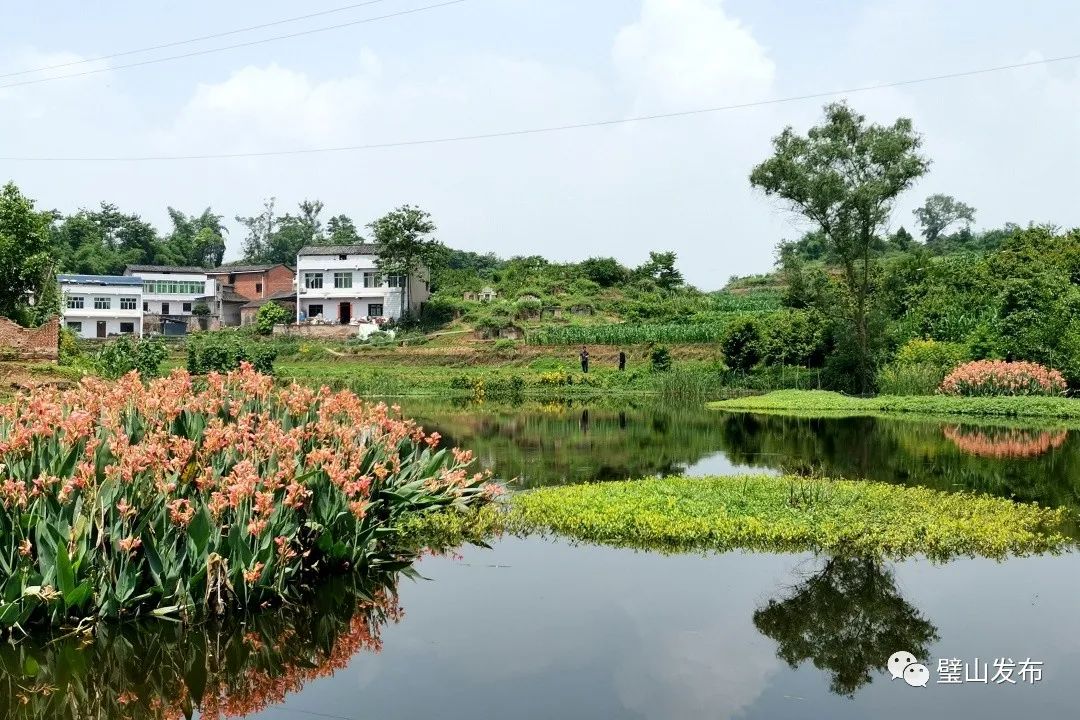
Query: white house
171, 291
341, 284
97, 306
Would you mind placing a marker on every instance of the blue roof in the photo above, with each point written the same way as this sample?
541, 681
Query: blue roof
100, 280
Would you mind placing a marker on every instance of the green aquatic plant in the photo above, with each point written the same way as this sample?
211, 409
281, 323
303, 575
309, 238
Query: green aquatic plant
789, 514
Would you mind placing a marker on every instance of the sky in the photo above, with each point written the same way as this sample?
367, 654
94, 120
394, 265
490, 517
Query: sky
1007, 143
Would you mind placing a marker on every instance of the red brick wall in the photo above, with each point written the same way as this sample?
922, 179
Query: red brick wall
40, 343
277, 279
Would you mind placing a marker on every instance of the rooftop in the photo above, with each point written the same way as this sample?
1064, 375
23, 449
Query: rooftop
240, 269
361, 249
188, 269
99, 280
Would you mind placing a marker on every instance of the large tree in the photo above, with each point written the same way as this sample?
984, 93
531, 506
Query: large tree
195, 239
844, 176
406, 241
103, 241
26, 263
660, 268
273, 239
939, 213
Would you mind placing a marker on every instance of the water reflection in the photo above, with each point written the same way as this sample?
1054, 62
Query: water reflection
163, 670
847, 619
550, 444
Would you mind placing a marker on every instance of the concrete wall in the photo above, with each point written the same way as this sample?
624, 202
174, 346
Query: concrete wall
337, 332
19, 343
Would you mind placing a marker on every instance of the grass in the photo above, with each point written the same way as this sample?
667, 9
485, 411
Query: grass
788, 514
820, 403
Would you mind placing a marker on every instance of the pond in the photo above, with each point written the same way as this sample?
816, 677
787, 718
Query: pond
541, 628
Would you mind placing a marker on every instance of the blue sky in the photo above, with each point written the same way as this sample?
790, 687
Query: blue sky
1007, 143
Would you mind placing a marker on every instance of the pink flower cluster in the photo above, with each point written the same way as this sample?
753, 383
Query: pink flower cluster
997, 377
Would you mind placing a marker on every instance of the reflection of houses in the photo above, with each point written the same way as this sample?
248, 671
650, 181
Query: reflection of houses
341, 284
97, 306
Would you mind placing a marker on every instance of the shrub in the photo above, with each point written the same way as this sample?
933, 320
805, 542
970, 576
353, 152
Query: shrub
660, 358
70, 352
269, 315
123, 355
555, 378
942, 354
997, 377
225, 351
125, 499
741, 345
200, 309
919, 367
504, 346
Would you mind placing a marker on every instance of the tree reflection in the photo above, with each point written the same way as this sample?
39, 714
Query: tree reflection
165, 670
847, 619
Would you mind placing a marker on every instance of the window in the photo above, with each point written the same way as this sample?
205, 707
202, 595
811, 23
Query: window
186, 307
75, 302
396, 281
127, 328
314, 310
342, 280
232, 278
372, 280
75, 326
342, 257
164, 308
374, 310
258, 288
146, 307
102, 303
174, 287
128, 303
313, 281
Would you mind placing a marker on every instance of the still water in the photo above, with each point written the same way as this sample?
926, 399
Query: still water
542, 628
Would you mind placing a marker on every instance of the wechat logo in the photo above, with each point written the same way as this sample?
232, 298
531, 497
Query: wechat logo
903, 664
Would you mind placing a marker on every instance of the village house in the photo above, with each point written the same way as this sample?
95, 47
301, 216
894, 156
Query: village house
243, 289
341, 285
170, 292
100, 306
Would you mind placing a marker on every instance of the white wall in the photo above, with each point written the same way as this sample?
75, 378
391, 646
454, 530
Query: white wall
175, 301
358, 296
89, 316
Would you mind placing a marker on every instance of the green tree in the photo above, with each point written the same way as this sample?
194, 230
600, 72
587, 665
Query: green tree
269, 315
26, 264
939, 213
103, 241
340, 230
605, 271
260, 228
406, 244
195, 239
844, 176
660, 268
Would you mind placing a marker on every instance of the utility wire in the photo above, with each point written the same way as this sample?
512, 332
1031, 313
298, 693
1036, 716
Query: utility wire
208, 51
175, 43
551, 128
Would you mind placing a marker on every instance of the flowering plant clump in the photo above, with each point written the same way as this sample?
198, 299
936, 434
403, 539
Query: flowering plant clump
997, 377
127, 499
1008, 443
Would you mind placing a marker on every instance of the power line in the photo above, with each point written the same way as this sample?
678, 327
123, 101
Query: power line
551, 128
208, 51
188, 41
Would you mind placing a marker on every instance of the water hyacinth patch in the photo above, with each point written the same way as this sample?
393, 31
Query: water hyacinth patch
997, 377
125, 499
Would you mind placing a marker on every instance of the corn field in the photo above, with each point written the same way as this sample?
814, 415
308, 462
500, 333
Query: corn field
628, 334
761, 301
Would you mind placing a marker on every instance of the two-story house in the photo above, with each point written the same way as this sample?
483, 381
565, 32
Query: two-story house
171, 291
253, 286
98, 306
341, 284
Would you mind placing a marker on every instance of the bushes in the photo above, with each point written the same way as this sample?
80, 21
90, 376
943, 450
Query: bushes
996, 377
660, 358
919, 367
122, 499
741, 345
269, 315
121, 356
225, 351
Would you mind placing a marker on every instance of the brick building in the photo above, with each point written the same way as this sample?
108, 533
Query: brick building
255, 282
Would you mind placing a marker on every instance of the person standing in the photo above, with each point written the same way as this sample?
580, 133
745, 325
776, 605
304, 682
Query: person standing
622, 360
584, 359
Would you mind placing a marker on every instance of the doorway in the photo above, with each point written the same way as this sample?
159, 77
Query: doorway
345, 313
101, 331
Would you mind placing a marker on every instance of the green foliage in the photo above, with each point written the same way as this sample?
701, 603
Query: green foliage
70, 352
504, 346
844, 176
605, 272
627, 334
825, 403
660, 358
224, 350
940, 212
269, 315
406, 244
789, 514
26, 261
919, 367
200, 309
741, 345
124, 354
